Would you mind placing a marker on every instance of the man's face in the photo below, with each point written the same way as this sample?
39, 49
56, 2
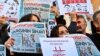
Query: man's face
67, 8
81, 25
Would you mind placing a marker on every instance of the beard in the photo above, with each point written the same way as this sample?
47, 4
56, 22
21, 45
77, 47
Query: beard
98, 29
79, 32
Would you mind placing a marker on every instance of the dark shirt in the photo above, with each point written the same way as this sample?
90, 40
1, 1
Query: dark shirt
72, 28
4, 36
27, 54
93, 28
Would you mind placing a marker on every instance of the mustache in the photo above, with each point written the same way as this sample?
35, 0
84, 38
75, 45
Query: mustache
79, 28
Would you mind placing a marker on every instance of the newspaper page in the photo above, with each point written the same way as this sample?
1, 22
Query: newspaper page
26, 37
2, 50
38, 7
79, 6
85, 46
51, 23
11, 9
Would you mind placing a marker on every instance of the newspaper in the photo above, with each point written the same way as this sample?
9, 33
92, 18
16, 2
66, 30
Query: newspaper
79, 6
51, 23
2, 50
38, 7
85, 46
26, 36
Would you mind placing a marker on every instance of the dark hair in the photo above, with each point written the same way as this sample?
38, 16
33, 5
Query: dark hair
78, 4
27, 18
60, 20
54, 31
54, 3
67, 5
95, 14
16, 1
81, 16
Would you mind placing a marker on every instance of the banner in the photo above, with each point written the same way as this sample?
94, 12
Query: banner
79, 6
26, 36
85, 46
11, 9
58, 47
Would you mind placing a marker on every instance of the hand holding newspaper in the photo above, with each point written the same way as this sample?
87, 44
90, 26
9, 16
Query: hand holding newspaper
26, 36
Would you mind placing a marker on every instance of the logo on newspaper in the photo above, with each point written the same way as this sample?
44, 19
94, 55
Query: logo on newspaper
58, 51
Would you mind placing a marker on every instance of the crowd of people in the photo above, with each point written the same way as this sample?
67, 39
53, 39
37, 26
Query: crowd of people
77, 26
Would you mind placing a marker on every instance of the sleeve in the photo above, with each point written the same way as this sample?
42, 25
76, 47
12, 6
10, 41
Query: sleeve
72, 28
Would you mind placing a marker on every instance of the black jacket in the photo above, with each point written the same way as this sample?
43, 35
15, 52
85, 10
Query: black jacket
4, 36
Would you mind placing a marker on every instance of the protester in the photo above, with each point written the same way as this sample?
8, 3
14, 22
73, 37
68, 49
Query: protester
81, 25
4, 30
95, 37
73, 21
54, 9
10, 41
59, 31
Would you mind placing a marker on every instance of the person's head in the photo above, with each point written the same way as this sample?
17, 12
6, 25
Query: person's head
3, 20
54, 9
96, 20
10, 1
79, 7
59, 31
67, 7
81, 24
30, 18
32, 37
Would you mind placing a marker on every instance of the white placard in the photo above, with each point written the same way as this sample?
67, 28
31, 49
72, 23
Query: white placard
58, 47
79, 6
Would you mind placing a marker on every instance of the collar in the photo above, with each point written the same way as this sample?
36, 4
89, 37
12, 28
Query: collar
98, 32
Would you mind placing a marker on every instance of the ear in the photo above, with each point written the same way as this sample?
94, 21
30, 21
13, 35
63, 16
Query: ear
95, 24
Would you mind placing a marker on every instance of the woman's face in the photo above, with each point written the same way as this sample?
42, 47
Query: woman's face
62, 31
34, 19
